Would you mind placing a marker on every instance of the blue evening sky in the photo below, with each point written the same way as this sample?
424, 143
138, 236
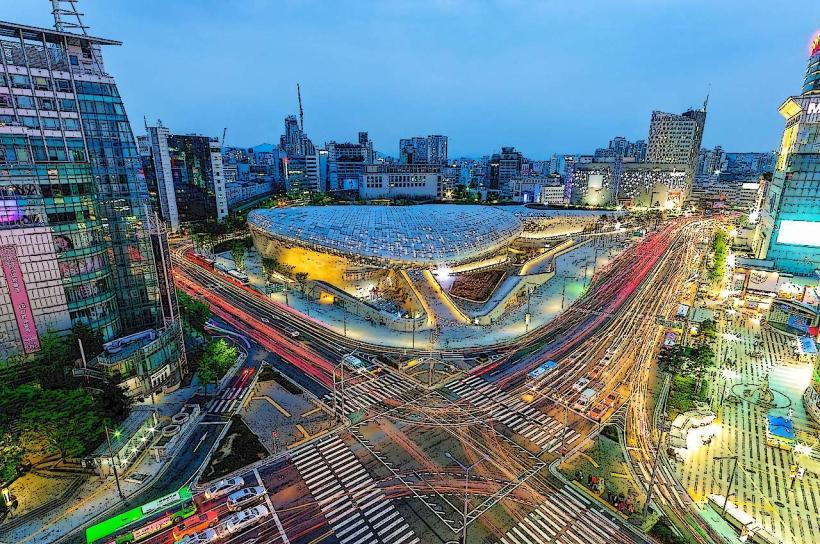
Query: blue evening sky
544, 76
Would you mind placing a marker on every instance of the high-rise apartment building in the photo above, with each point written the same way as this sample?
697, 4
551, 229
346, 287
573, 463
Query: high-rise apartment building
789, 228
424, 150
346, 162
185, 171
301, 166
69, 152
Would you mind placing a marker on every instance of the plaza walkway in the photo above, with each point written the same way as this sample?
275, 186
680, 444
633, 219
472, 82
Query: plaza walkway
762, 486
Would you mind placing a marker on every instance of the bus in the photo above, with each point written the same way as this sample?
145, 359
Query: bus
143, 521
543, 369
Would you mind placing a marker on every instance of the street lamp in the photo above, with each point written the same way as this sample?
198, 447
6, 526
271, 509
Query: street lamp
728, 375
117, 434
466, 488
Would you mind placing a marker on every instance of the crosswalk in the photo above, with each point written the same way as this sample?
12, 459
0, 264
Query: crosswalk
228, 401
564, 519
506, 407
354, 506
386, 388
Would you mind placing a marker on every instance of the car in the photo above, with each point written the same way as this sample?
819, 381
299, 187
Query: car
246, 518
245, 497
612, 399
265, 320
597, 412
293, 333
208, 536
580, 384
195, 524
223, 487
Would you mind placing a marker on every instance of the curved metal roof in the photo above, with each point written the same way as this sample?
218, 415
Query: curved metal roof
422, 235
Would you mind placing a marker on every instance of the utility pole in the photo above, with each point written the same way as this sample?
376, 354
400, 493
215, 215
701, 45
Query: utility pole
113, 464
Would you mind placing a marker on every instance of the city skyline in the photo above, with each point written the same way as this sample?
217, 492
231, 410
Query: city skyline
454, 52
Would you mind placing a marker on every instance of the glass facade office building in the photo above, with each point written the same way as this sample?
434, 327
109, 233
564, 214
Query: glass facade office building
69, 165
789, 229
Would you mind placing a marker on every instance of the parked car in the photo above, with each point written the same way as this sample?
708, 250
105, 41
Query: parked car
223, 487
246, 518
245, 497
195, 524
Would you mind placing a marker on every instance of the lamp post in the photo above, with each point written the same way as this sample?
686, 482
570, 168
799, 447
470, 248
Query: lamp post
466, 488
728, 374
111, 459
731, 481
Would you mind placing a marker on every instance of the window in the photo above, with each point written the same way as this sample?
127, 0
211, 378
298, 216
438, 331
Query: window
42, 83
24, 101
7, 120
71, 124
2, 80
5, 101
73, 60
51, 123
62, 85
38, 149
67, 104
20, 82
47, 104
30, 122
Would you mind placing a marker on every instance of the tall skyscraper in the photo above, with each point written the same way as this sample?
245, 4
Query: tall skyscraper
185, 171
676, 139
66, 136
789, 228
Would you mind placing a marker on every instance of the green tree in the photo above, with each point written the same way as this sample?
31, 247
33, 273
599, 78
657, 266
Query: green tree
11, 455
217, 357
238, 255
54, 362
301, 277
194, 312
708, 331
66, 420
269, 265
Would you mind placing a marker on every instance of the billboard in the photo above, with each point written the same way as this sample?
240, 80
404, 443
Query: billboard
19, 299
762, 280
799, 233
595, 181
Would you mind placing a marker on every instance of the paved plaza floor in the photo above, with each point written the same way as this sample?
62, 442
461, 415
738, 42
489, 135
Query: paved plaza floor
763, 486
573, 271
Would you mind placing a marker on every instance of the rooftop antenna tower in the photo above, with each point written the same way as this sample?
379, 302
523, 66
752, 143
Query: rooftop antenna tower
708, 92
66, 17
301, 113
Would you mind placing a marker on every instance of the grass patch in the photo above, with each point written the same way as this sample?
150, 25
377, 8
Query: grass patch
268, 374
606, 453
239, 448
682, 394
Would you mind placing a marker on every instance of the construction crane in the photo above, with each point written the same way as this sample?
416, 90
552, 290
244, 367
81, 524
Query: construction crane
301, 113
224, 134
